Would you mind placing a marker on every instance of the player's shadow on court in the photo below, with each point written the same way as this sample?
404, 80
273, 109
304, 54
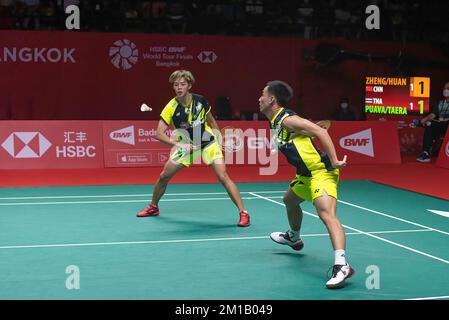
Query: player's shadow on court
307, 263
195, 226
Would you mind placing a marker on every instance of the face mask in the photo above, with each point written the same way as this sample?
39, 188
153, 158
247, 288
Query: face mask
344, 105
446, 93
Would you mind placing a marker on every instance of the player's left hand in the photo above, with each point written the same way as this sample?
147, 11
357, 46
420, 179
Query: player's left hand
340, 164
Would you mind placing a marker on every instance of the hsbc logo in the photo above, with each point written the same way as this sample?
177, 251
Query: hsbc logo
360, 142
23, 145
207, 56
125, 135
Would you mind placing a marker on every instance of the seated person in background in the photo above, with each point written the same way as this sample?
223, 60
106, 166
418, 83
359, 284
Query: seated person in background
344, 113
435, 125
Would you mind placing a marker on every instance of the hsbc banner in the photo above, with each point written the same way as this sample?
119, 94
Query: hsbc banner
366, 142
97, 144
133, 144
443, 156
50, 144
107, 76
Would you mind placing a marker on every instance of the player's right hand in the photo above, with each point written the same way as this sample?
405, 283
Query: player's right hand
340, 164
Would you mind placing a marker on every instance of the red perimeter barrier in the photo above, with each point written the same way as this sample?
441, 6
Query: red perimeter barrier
132, 144
410, 136
51, 144
98, 144
366, 142
443, 156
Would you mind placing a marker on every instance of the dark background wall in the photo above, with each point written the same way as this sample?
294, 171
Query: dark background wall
320, 72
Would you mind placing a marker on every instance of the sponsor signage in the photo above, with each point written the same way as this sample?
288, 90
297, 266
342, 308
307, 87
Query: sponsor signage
133, 144
50, 144
366, 142
443, 156
96, 144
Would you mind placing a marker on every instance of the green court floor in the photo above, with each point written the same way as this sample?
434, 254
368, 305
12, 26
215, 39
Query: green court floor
194, 250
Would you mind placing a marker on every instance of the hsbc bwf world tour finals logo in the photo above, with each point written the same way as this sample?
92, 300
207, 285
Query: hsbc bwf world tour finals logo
124, 54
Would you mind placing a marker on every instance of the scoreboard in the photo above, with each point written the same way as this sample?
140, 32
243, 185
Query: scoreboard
398, 96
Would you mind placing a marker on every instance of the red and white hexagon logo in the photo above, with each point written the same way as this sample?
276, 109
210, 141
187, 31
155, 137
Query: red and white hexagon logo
26, 144
124, 54
207, 56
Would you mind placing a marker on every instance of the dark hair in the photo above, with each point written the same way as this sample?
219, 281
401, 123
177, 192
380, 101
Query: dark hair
281, 91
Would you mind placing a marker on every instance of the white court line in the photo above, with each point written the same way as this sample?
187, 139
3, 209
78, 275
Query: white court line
89, 244
368, 234
198, 193
129, 195
393, 217
120, 201
429, 298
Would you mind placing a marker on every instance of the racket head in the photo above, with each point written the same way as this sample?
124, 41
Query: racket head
230, 138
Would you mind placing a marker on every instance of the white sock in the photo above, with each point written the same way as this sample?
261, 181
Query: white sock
294, 235
340, 257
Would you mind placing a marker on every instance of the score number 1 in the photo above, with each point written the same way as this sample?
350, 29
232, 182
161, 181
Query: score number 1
421, 106
420, 87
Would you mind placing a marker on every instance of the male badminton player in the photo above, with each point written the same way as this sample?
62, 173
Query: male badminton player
316, 177
191, 116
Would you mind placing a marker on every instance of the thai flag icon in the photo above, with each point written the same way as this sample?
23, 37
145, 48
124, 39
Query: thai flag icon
369, 100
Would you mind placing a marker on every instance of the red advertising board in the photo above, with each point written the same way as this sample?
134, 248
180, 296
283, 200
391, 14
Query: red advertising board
132, 144
443, 155
253, 146
50, 144
79, 144
410, 136
366, 142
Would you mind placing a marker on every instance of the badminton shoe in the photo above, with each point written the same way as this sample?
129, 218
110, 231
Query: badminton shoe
286, 238
244, 219
339, 275
423, 157
150, 211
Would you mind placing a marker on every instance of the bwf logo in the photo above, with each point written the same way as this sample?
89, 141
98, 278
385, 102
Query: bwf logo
26, 145
125, 135
124, 54
360, 142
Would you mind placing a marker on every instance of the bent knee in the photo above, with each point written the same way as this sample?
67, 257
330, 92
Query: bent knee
291, 200
327, 216
223, 177
165, 176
